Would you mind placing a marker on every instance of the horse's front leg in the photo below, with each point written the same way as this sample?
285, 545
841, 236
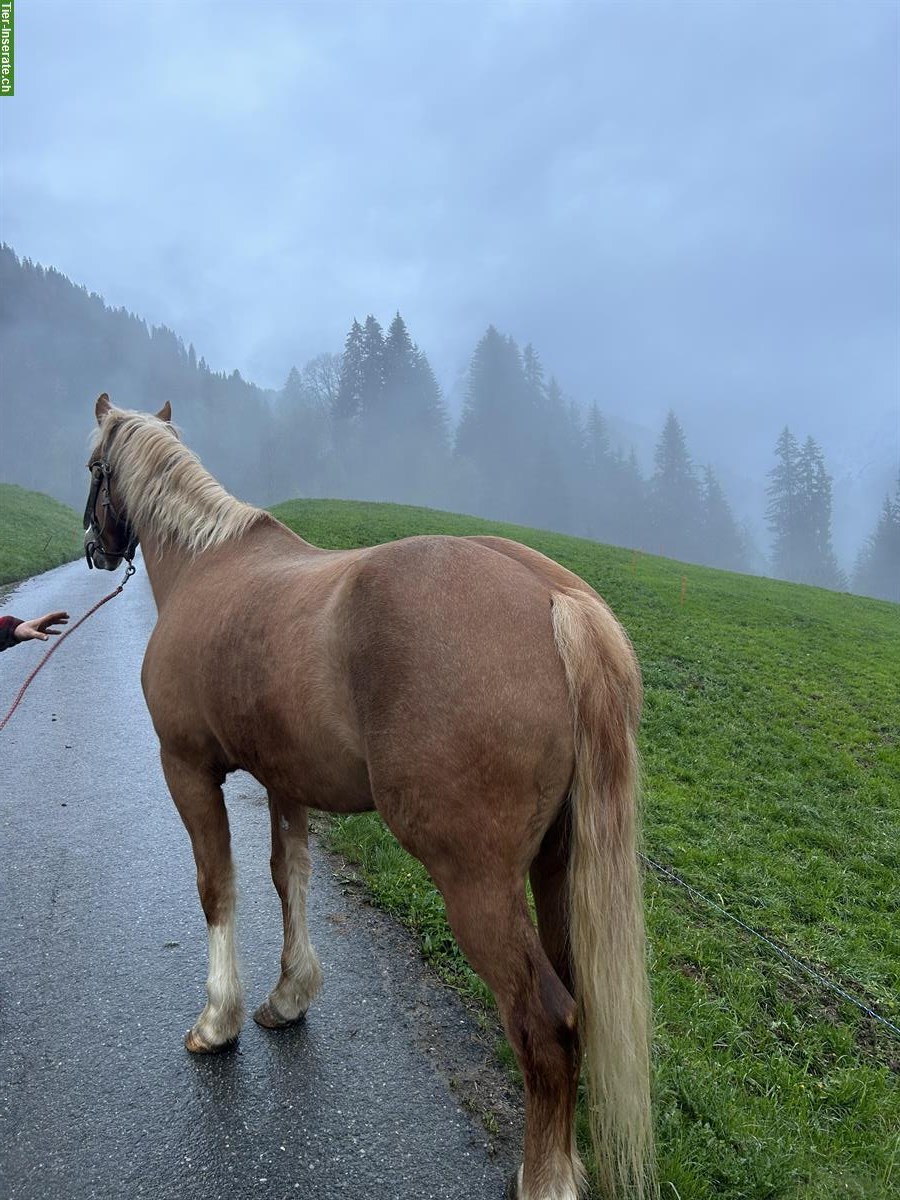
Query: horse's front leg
301, 975
197, 791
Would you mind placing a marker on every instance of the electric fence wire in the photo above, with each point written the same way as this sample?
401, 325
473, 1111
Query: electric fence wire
785, 954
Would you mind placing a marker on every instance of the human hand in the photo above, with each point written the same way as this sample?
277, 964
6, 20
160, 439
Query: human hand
39, 627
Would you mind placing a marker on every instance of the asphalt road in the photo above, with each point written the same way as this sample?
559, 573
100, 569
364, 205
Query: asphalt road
103, 961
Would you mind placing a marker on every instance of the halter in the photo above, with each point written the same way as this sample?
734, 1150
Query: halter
94, 550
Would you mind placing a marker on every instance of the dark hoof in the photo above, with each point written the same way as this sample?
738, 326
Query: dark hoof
198, 1045
512, 1188
269, 1017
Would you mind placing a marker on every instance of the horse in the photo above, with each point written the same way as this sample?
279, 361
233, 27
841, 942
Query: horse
483, 699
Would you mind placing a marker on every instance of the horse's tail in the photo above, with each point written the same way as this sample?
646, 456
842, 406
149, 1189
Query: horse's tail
606, 922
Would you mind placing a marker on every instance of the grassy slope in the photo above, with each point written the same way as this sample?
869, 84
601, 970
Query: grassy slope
36, 533
771, 753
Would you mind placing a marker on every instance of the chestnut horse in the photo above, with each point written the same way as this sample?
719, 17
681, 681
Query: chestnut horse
482, 698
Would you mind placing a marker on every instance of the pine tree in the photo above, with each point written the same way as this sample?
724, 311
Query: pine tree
291, 394
675, 495
430, 415
485, 404
489, 437
533, 373
722, 541
799, 514
372, 390
783, 508
878, 565
350, 391
819, 562
630, 512
551, 446
599, 454
600, 498
394, 446
398, 378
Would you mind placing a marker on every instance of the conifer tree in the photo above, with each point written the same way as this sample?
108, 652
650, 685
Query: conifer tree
533, 373
783, 507
878, 565
291, 394
372, 392
488, 437
630, 506
551, 446
430, 415
398, 378
609, 488
819, 562
799, 514
599, 454
350, 391
722, 543
675, 495
395, 445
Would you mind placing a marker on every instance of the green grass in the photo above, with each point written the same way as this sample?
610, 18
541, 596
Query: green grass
36, 533
771, 764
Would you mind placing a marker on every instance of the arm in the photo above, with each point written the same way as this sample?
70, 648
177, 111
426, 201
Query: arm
13, 630
8, 627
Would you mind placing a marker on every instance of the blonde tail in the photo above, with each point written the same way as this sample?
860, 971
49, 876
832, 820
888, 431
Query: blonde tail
605, 897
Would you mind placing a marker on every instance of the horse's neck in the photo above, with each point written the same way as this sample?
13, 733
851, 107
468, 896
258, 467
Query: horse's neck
164, 567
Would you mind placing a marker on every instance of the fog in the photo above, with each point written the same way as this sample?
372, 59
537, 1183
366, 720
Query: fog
686, 207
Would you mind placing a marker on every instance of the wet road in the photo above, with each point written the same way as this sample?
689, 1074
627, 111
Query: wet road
103, 959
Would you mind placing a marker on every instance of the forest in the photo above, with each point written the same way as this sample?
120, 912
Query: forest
371, 422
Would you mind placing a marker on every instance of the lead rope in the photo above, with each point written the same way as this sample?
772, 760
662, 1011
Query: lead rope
56, 645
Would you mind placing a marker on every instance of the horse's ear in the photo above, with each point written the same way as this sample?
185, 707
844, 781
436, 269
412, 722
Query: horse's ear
165, 413
102, 407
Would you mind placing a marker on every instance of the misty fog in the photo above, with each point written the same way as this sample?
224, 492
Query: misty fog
628, 246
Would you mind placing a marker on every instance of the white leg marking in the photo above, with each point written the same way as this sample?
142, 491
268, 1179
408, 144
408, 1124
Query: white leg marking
221, 1019
558, 1183
301, 975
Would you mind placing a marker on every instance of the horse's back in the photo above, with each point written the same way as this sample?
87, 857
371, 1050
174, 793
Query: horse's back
448, 608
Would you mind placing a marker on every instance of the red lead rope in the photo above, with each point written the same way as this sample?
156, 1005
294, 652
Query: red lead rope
56, 645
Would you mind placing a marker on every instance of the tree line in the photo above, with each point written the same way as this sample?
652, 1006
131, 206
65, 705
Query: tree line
372, 423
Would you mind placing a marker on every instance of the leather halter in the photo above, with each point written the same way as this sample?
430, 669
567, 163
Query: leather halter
100, 477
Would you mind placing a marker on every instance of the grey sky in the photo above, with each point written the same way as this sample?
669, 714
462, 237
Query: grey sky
681, 204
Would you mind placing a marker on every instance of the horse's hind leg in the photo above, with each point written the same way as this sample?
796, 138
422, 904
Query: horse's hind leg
197, 792
301, 975
490, 920
549, 874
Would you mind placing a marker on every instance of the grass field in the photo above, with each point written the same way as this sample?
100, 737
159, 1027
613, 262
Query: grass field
36, 533
771, 761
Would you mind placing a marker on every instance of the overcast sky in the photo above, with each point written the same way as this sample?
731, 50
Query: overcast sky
691, 205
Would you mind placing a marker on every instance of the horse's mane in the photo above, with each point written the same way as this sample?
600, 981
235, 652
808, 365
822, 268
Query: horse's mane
165, 489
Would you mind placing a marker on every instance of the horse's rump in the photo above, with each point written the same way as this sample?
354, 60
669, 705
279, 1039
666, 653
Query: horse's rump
459, 690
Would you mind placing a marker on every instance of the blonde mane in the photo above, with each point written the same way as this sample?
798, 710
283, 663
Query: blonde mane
165, 489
